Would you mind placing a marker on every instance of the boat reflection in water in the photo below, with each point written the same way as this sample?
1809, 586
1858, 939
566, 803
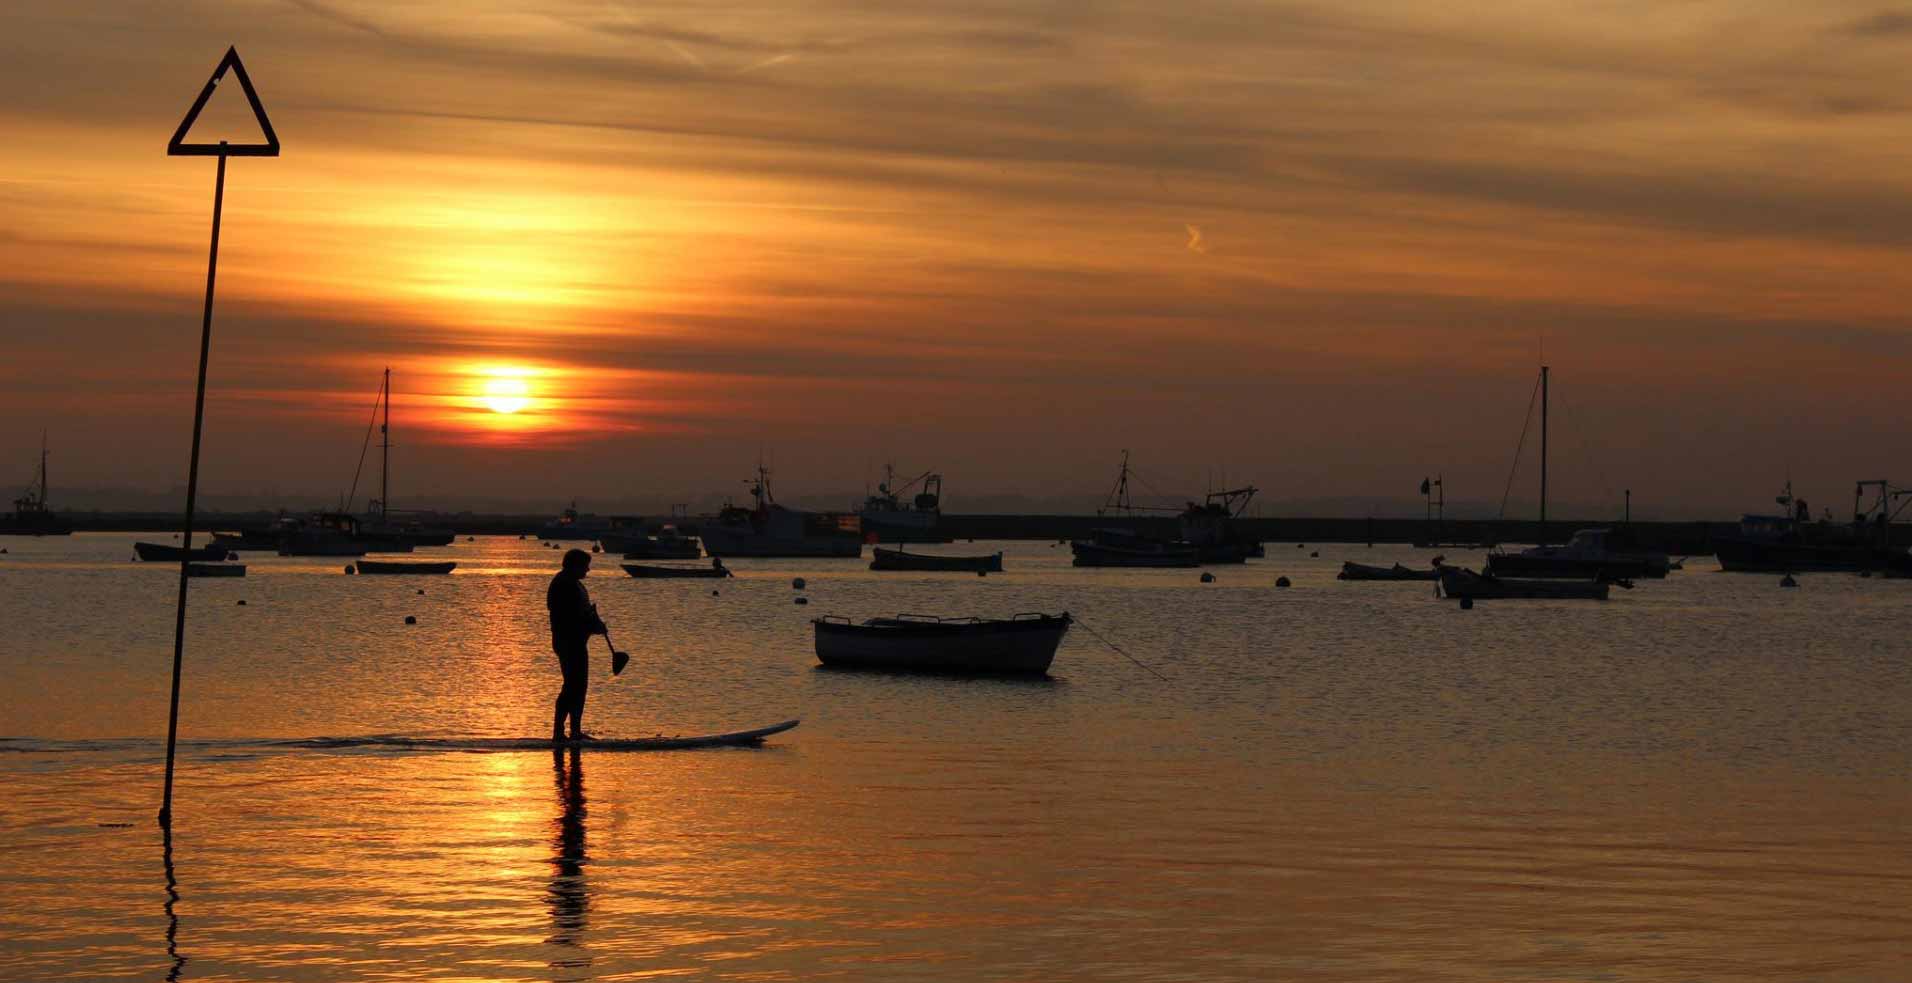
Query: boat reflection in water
567, 896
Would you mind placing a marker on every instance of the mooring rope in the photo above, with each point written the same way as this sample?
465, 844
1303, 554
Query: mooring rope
1117, 648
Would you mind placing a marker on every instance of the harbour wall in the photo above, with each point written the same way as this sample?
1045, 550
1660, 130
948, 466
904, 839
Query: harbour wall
1676, 538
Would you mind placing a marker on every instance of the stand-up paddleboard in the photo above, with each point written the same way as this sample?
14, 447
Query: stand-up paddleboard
736, 738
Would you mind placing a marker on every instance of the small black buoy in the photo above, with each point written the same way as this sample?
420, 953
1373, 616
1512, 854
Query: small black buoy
1315, 553
411, 619
1788, 581
713, 593
982, 573
242, 602
1865, 574
1467, 604
797, 583
521, 535
1281, 582
595, 548
421, 590
349, 569
473, 539
1301, 546
1208, 578
803, 600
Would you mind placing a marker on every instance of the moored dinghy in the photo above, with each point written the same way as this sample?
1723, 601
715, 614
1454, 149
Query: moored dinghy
1022, 645
215, 569
405, 567
1351, 570
884, 559
1461, 584
651, 571
161, 553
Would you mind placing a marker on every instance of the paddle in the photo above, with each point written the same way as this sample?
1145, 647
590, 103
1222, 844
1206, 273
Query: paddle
618, 659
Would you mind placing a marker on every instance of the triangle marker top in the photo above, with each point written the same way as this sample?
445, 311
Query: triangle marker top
177, 147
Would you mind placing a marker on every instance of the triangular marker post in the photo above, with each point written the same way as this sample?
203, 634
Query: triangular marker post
177, 147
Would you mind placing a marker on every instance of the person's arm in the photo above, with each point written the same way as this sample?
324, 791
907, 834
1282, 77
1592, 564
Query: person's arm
593, 624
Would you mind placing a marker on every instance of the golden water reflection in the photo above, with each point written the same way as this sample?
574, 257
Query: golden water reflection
569, 897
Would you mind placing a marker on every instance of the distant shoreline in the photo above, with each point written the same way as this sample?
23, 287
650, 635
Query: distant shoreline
1688, 538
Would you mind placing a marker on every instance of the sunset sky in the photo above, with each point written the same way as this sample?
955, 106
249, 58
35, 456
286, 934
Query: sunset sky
1316, 246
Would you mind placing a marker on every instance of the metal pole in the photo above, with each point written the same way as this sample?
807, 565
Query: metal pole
385, 457
1543, 454
192, 493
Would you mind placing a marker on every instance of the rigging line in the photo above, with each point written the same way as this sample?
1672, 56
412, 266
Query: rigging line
1117, 648
369, 427
1524, 425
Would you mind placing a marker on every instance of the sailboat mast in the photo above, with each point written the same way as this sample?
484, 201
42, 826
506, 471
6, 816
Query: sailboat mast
43, 469
385, 457
1543, 453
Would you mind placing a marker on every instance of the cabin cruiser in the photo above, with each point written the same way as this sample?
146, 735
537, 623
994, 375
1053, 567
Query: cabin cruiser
770, 530
1592, 554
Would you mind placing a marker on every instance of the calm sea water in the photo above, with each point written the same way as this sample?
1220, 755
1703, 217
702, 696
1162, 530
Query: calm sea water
1708, 778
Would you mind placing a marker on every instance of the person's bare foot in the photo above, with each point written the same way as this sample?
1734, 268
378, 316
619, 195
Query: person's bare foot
582, 736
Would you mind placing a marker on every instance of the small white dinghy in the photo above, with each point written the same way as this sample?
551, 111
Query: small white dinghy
1022, 645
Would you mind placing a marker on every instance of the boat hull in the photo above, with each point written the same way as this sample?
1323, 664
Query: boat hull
1576, 568
719, 541
161, 553
651, 548
1020, 646
387, 568
215, 569
882, 559
1361, 571
1763, 556
644, 572
34, 524
1090, 554
1467, 585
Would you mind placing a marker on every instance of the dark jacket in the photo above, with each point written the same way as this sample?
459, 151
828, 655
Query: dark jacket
573, 619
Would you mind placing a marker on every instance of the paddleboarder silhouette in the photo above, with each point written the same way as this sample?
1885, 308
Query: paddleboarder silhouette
574, 619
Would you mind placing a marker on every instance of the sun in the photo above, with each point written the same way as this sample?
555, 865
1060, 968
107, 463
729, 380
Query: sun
506, 394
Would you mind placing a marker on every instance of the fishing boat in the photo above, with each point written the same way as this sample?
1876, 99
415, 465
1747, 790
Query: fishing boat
1590, 554
770, 530
161, 553
643, 571
215, 569
1023, 645
30, 515
1209, 526
1351, 570
573, 525
630, 536
1113, 547
1462, 584
406, 566
882, 559
331, 534
1792, 541
384, 527
885, 518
